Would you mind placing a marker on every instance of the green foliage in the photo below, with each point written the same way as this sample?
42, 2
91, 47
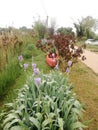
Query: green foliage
84, 27
90, 34
52, 28
40, 28
28, 51
79, 29
9, 75
96, 37
12, 70
65, 31
50, 105
30, 47
27, 54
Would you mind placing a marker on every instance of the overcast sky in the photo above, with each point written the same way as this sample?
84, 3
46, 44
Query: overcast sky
19, 13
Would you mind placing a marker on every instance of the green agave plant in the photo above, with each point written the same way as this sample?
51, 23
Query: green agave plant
47, 104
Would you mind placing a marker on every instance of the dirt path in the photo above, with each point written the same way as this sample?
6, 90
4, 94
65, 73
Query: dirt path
91, 60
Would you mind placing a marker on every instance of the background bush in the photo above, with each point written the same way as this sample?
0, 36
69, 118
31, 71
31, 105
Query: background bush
29, 50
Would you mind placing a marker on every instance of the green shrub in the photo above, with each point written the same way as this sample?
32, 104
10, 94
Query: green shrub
29, 51
27, 54
31, 47
46, 104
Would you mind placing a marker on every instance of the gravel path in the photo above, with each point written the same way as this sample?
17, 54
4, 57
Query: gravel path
91, 60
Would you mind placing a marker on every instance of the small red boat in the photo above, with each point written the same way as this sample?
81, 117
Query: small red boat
52, 61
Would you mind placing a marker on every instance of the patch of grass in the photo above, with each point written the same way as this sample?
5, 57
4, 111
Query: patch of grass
90, 47
11, 93
27, 52
9, 75
86, 89
93, 48
40, 60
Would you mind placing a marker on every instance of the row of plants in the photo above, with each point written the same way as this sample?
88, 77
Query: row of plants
11, 70
44, 102
10, 45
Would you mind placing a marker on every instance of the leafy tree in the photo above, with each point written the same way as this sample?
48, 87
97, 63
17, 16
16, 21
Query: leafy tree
90, 34
23, 28
65, 30
86, 26
40, 28
79, 30
52, 27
